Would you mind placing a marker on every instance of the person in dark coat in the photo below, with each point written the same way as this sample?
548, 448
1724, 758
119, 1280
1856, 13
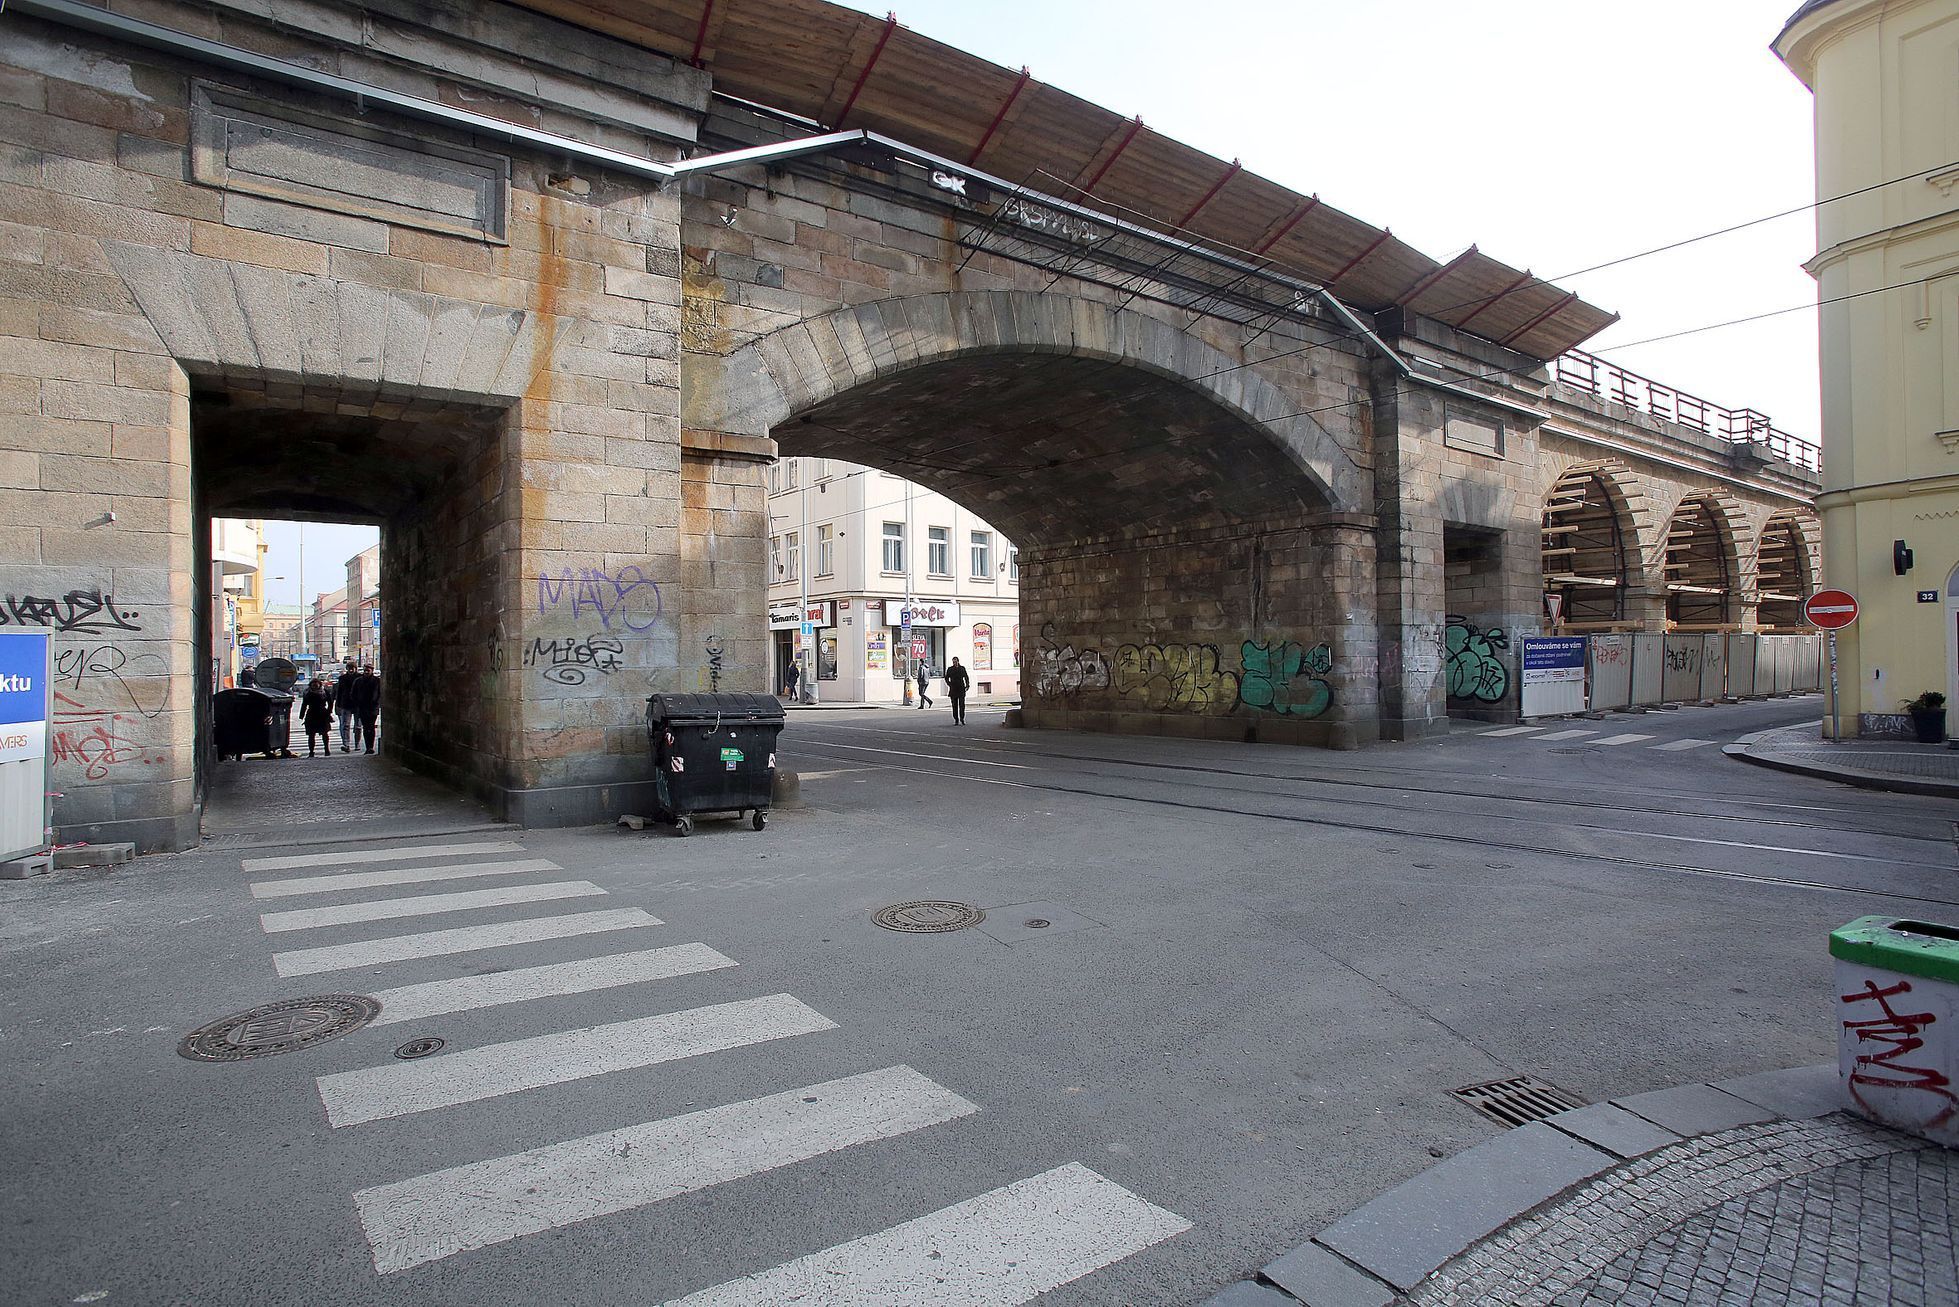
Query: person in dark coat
957, 681
343, 707
316, 715
924, 684
367, 703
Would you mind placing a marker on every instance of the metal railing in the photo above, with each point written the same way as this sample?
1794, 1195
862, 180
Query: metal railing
1578, 370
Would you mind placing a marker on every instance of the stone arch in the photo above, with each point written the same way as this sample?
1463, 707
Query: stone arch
1702, 562
1595, 518
1785, 555
803, 366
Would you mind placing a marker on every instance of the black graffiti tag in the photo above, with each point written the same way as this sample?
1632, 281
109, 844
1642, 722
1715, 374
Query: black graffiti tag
572, 661
80, 611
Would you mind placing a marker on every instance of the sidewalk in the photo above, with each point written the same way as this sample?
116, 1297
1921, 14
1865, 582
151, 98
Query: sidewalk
1897, 765
1757, 1189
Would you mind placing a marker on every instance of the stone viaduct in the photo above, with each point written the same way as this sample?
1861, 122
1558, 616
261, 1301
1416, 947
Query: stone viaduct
541, 290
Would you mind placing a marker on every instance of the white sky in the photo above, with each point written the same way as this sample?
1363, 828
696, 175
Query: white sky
1553, 134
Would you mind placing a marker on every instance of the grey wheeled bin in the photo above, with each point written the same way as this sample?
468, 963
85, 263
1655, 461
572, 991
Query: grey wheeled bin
713, 753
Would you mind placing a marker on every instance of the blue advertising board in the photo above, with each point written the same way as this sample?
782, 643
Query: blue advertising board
1557, 653
1553, 675
23, 741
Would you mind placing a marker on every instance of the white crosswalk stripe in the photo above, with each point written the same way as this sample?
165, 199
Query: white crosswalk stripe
464, 993
1676, 746
401, 1088
1622, 739
274, 889
1562, 735
1512, 730
378, 855
424, 905
474, 1206
460, 939
998, 1250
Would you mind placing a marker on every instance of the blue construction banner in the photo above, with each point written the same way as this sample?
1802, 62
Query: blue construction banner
23, 694
1553, 675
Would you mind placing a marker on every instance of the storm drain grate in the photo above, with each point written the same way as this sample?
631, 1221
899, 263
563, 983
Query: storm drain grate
278, 1028
1517, 1102
928, 916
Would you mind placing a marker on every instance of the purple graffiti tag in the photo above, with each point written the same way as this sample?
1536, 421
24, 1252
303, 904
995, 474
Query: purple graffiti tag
623, 594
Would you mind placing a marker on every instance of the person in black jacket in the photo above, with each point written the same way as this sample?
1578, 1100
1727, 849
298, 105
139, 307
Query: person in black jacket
956, 682
316, 715
367, 703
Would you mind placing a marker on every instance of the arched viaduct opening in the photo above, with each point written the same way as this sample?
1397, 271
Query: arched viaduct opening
1701, 566
1589, 550
1783, 575
1181, 569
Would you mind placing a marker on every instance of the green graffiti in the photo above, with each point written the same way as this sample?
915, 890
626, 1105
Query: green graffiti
1286, 678
1475, 669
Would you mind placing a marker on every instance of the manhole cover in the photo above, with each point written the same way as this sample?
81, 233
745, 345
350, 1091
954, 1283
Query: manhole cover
1517, 1102
415, 1048
1038, 923
928, 916
278, 1028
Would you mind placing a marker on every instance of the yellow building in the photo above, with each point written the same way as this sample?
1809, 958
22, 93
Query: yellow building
1885, 74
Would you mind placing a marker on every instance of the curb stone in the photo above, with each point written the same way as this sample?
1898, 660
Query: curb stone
1388, 1246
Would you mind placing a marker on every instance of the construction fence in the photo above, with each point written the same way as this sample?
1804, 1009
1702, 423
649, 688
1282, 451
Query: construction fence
1647, 670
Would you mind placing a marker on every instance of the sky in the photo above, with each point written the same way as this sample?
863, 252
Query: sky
1552, 134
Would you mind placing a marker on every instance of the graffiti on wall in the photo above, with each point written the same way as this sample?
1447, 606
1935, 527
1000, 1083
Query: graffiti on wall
91, 739
626, 596
1066, 671
1476, 668
78, 612
1286, 678
715, 654
572, 660
105, 667
1175, 677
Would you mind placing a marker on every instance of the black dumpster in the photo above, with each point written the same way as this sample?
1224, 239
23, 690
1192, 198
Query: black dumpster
713, 753
251, 720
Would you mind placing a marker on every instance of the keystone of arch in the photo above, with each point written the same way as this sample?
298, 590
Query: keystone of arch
798, 367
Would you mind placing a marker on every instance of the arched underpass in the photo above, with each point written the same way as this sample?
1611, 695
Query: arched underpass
1178, 565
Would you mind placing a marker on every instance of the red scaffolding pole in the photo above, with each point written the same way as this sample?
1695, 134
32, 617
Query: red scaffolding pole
1000, 117
1209, 195
1135, 126
890, 26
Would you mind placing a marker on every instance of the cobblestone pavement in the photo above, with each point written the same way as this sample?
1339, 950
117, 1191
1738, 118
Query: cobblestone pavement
1801, 747
339, 792
1832, 1211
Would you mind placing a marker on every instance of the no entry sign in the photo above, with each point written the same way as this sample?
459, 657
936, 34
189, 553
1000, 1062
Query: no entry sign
1831, 610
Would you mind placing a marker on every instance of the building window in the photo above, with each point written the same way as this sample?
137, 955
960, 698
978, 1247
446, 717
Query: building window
822, 469
938, 550
982, 555
794, 475
775, 556
1013, 564
792, 553
825, 552
894, 546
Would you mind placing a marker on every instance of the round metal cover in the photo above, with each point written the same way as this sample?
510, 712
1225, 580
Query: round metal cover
928, 916
278, 1028
422, 1047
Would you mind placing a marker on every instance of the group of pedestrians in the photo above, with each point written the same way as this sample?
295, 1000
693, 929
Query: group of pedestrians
355, 698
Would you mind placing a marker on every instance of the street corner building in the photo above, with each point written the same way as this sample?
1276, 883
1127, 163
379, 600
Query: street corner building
1886, 78
543, 290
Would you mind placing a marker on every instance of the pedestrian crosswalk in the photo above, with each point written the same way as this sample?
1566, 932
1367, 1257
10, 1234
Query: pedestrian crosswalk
1592, 738
1002, 1247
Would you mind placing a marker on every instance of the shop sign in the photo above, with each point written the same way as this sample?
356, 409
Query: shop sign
820, 614
785, 617
945, 613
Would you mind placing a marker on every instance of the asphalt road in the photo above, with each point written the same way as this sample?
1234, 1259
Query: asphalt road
1264, 970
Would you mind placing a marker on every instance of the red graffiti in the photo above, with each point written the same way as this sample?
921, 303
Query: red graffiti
91, 738
1899, 1032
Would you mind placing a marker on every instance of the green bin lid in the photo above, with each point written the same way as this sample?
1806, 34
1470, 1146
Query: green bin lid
1916, 948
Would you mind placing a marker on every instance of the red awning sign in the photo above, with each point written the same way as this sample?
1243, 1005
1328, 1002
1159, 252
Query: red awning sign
1831, 610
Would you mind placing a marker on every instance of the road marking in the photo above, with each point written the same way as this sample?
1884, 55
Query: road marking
439, 997
997, 1250
377, 855
1512, 730
1622, 739
275, 889
446, 1212
1677, 745
459, 939
401, 1088
424, 905
1562, 735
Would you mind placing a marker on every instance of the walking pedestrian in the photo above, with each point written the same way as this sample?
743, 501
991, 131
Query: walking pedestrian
956, 682
924, 683
343, 707
367, 704
790, 675
316, 715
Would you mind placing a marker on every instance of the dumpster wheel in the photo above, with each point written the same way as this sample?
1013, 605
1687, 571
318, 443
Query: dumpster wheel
683, 826
761, 819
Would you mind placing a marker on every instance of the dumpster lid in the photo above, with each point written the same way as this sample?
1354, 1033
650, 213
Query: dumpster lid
690, 708
1916, 948
276, 674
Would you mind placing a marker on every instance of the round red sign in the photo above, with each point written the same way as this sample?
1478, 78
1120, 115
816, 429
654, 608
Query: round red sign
1831, 609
